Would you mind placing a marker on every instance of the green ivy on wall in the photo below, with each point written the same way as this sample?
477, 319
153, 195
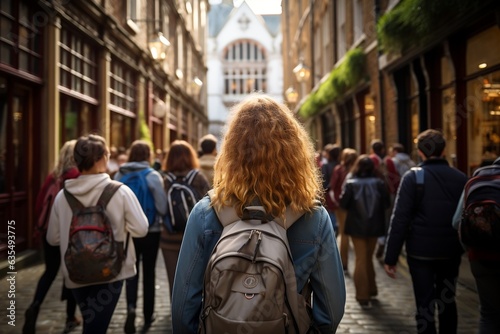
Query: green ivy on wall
342, 78
414, 22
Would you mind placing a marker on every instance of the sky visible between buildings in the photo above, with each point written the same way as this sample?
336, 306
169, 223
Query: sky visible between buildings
259, 7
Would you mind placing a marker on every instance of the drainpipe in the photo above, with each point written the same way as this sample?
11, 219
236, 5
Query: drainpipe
380, 79
313, 74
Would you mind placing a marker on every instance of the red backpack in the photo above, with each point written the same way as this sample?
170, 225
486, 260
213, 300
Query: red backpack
46, 204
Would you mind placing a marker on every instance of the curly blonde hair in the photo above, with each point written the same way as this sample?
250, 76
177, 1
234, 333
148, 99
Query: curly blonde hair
268, 156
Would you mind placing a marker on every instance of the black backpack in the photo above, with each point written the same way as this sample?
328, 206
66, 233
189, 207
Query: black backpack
181, 198
480, 224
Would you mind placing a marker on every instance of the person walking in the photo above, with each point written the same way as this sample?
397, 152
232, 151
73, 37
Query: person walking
347, 159
65, 169
268, 157
365, 197
401, 159
97, 301
146, 248
208, 145
423, 222
181, 160
386, 170
485, 263
332, 156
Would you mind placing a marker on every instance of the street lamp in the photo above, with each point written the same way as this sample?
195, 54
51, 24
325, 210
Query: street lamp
197, 83
158, 46
291, 95
159, 108
302, 72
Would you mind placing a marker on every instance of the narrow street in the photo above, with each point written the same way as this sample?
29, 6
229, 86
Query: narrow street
392, 311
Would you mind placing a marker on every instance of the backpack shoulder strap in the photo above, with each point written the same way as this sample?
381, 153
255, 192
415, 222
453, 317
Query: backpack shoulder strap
419, 176
146, 171
108, 192
191, 175
74, 204
228, 215
170, 177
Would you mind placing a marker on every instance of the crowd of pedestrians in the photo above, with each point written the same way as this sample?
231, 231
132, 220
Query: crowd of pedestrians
374, 199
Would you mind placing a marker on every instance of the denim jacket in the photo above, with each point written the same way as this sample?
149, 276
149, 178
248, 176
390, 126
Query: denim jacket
314, 251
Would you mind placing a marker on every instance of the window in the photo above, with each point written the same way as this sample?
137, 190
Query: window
77, 118
244, 68
341, 43
122, 87
358, 19
78, 66
483, 98
133, 9
21, 39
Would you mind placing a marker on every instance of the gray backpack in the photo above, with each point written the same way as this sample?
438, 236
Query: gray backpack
250, 284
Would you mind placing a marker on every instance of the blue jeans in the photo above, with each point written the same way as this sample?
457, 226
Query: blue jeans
434, 287
487, 276
97, 304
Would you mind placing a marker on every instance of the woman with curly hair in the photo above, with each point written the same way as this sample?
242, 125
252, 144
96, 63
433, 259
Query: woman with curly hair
266, 156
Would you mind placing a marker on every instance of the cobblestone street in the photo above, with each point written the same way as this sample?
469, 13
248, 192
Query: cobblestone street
392, 311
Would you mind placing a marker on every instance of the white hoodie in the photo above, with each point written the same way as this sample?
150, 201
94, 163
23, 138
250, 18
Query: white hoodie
124, 212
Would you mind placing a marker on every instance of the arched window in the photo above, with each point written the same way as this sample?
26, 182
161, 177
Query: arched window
244, 68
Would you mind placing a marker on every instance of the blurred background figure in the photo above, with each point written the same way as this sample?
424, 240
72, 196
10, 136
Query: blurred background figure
208, 150
65, 169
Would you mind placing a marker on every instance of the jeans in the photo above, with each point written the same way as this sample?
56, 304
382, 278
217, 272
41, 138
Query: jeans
97, 304
487, 276
52, 258
434, 287
146, 250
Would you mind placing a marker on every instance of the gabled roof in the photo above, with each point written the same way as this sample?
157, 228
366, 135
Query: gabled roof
217, 17
272, 23
220, 13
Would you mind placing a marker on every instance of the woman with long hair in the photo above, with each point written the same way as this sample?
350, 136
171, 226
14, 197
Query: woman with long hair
266, 156
146, 248
181, 159
365, 197
65, 169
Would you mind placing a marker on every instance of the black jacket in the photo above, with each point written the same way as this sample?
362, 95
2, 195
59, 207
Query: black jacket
426, 226
365, 200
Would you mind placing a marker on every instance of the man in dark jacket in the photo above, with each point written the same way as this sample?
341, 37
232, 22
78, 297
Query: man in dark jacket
432, 245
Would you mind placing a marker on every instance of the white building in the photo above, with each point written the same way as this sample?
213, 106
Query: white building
243, 56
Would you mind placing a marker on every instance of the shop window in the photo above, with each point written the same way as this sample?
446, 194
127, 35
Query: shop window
483, 111
483, 50
122, 128
369, 119
77, 118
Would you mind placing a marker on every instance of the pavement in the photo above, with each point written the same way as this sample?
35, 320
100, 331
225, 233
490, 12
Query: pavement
392, 311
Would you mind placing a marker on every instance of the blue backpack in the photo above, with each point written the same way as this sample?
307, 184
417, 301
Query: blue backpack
139, 185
